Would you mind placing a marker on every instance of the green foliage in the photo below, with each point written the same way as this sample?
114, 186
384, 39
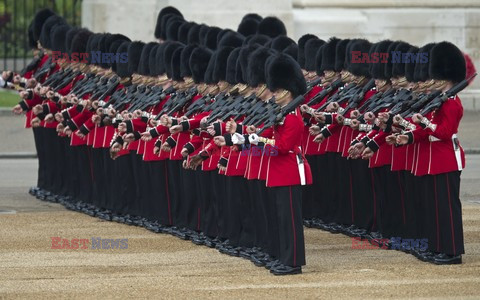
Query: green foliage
16, 15
8, 98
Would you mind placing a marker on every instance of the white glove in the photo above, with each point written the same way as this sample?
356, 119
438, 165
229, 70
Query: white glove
253, 139
238, 139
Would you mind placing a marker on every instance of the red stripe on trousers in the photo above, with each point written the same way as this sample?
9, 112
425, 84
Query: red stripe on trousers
401, 197
436, 212
351, 197
374, 227
451, 216
168, 196
294, 233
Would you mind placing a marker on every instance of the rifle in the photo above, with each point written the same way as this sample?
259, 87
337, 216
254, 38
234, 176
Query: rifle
345, 92
56, 77
358, 97
44, 69
284, 111
416, 104
222, 108
387, 101
257, 110
31, 65
319, 97
180, 103
312, 84
198, 105
438, 101
66, 81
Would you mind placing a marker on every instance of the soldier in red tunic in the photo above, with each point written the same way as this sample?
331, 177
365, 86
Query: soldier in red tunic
440, 159
288, 170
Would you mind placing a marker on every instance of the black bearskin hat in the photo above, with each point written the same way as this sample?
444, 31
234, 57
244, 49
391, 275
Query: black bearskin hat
199, 60
422, 72
447, 63
221, 59
122, 67
329, 55
185, 61
301, 48
340, 54
377, 68
283, 72
398, 69
310, 50
165, 11
272, 27
256, 66
58, 37
40, 18
45, 36
259, 39
359, 68
232, 66
231, 39
410, 65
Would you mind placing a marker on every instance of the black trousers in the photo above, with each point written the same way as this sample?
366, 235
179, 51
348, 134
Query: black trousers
99, 184
239, 213
394, 210
138, 203
344, 195
124, 187
51, 151
309, 205
331, 192
362, 194
288, 201
174, 190
71, 172
84, 173
443, 224
410, 230
39, 146
206, 203
157, 192
261, 214
219, 194
190, 202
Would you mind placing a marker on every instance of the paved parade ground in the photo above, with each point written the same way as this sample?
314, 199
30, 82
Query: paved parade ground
162, 266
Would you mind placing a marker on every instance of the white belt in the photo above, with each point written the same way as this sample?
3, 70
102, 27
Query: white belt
456, 149
458, 153
301, 168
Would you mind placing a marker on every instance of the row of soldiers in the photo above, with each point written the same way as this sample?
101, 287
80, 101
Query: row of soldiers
216, 135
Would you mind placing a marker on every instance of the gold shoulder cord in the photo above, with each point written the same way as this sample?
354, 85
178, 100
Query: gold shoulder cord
262, 90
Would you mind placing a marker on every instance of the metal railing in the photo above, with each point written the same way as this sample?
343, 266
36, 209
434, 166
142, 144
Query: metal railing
16, 15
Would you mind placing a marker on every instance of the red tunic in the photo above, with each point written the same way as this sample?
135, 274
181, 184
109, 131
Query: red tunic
436, 152
284, 169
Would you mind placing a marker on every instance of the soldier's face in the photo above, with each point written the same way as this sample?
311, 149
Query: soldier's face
380, 84
223, 85
282, 97
263, 93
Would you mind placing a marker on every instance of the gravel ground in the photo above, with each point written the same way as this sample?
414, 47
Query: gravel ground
161, 266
